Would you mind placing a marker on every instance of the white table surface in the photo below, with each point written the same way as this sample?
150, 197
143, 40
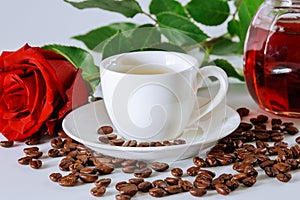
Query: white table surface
22, 182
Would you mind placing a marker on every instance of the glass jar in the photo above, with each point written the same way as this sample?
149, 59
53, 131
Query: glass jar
272, 57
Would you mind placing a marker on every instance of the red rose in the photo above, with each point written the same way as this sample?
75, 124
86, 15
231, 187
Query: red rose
37, 89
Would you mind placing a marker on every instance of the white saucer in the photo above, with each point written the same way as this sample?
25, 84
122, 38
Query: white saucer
82, 124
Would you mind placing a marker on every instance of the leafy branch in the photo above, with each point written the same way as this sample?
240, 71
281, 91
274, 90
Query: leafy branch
174, 27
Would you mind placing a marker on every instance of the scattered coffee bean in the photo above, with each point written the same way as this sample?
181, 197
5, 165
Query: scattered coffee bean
243, 112
199, 162
192, 171
129, 189
104, 139
130, 143
117, 142
122, 197
105, 130
129, 169
98, 191
177, 172
249, 181
54, 153
111, 136
173, 189
143, 144
292, 130
35, 164
6, 144
104, 168
88, 178
103, 182
284, 177
56, 143
298, 140
185, 185
68, 180
28, 150
157, 192
33, 140
136, 181
25, 160
179, 142
143, 173
145, 186
171, 180
198, 192
222, 189
159, 183
159, 166
55, 177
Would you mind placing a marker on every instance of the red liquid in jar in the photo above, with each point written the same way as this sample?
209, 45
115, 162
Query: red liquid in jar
272, 67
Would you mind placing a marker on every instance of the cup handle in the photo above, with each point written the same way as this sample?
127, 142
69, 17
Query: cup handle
204, 73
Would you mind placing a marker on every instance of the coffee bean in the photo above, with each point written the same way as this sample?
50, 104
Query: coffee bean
88, 178
171, 180
141, 164
143, 144
112, 136
68, 180
104, 139
121, 184
232, 184
61, 133
192, 171
207, 173
211, 162
130, 143
298, 140
156, 144
35, 164
129, 189
282, 167
262, 118
249, 181
35, 154
28, 150
239, 177
117, 142
284, 177
103, 182
243, 112
25, 160
122, 197
156, 192
126, 163
199, 162
104, 168
276, 121
145, 186
143, 173
88, 170
271, 171
198, 192
222, 189
293, 163
173, 189
179, 141
159, 183
261, 144
159, 166
185, 185
53, 153
292, 130
245, 126
98, 191
33, 140
136, 181
105, 130
296, 151
56, 143
6, 144
250, 171
177, 172
129, 169
267, 163
55, 177
65, 164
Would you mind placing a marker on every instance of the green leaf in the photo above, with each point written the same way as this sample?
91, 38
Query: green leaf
209, 12
80, 58
246, 12
180, 30
144, 37
224, 46
95, 39
228, 68
128, 8
235, 28
159, 6
115, 45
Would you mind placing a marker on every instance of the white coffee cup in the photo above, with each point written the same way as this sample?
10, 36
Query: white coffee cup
151, 95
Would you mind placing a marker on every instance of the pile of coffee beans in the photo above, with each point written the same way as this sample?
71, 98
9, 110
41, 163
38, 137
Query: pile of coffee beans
256, 144
108, 137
